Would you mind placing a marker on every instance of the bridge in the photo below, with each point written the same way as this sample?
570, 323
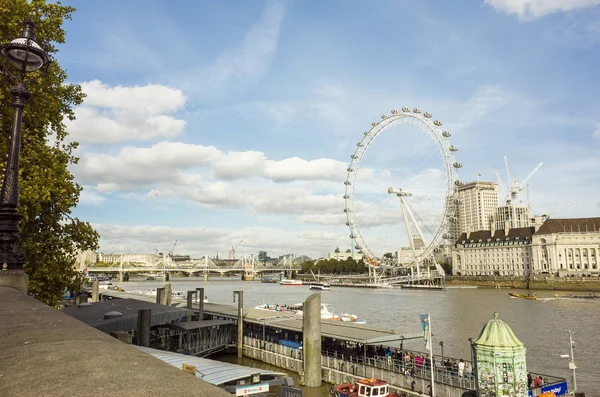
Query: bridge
246, 265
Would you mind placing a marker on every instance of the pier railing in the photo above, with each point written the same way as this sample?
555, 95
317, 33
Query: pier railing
342, 368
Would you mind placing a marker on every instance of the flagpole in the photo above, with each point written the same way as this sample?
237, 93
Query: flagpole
431, 357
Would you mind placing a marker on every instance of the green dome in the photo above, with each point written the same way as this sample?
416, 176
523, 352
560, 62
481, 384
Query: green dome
497, 333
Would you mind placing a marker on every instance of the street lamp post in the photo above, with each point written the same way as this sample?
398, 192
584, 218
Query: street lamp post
442, 346
572, 365
23, 55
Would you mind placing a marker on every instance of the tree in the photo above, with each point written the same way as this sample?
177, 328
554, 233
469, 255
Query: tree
50, 235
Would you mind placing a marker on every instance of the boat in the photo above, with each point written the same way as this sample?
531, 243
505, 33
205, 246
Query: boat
150, 278
363, 388
532, 297
183, 295
321, 287
293, 283
326, 314
351, 318
269, 280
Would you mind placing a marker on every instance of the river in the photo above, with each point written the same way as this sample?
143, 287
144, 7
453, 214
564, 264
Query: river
456, 315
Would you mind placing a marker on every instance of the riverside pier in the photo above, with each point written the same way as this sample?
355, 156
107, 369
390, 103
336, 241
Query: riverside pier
351, 352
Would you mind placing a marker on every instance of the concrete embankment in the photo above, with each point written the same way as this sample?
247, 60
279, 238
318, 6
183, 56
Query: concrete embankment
540, 282
47, 353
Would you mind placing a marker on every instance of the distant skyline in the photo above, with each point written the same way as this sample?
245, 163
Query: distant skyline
213, 122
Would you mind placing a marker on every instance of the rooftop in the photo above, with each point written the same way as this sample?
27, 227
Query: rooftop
211, 371
570, 225
94, 314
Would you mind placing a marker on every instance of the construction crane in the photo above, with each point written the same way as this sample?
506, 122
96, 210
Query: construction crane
514, 187
572, 203
173, 250
232, 250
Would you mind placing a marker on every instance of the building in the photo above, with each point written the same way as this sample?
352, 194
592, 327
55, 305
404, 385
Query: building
139, 259
342, 256
476, 203
559, 247
499, 253
511, 216
567, 247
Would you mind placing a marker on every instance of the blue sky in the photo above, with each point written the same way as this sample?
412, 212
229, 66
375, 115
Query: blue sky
213, 122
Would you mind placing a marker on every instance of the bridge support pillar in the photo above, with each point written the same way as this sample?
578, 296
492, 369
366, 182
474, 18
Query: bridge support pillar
311, 340
165, 277
205, 276
95, 290
121, 277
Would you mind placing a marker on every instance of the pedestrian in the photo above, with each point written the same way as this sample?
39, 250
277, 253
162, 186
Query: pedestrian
468, 370
529, 380
461, 368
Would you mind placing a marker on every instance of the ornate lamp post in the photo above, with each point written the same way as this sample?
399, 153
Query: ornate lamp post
24, 55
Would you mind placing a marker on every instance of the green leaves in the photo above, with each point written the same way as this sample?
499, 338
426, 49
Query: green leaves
49, 235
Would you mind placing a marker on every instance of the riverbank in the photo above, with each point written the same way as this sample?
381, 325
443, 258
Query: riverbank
539, 282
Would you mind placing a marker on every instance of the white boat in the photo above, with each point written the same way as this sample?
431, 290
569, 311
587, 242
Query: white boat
183, 295
293, 283
351, 318
326, 314
321, 287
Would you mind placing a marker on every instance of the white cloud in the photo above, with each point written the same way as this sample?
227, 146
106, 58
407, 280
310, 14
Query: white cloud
198, 241
532, 9
166, 161
90, 197
119, 114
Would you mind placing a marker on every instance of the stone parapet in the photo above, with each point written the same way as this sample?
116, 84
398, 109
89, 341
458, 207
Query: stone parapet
47, 353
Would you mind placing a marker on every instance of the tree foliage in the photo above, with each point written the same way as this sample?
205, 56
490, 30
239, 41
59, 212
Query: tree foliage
50, 235
333, 266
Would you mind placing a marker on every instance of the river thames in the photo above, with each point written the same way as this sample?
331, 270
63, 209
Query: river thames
456, 315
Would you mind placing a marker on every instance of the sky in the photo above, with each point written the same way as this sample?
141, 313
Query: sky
215, 124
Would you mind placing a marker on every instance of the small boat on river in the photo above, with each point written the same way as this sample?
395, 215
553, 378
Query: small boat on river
326, 314
320, 287
532, 297
293, 283
363, 388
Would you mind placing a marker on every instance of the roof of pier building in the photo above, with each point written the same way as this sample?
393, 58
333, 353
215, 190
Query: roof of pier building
105, 317
215, 372
570, 225
497, 333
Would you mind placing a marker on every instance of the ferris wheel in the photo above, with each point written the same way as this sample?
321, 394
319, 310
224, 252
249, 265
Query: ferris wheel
399, 190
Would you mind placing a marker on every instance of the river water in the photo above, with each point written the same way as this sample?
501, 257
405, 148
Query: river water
456, 315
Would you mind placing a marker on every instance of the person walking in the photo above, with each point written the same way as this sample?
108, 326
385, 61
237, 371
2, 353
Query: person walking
461, 368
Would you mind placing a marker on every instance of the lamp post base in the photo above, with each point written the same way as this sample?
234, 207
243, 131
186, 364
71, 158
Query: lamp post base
16, 279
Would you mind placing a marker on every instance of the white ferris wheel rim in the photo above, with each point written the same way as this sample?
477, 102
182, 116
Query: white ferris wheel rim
441, 139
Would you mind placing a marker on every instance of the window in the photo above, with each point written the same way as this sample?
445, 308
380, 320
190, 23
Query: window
362, 391
375, 391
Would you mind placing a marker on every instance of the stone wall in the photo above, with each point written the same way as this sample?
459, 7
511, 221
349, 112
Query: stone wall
538, 282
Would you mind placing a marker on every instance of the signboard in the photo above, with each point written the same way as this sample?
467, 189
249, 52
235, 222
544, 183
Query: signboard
189, 368
559, 389
251, 389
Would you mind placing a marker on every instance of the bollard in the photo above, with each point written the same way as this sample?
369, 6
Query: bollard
95, 290
240, 347
168, 296
190, 303
160, 293
311, 340
200, 303
143, 327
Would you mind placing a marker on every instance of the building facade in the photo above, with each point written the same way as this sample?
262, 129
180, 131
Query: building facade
476, 204
511, 216
559, 247
498, 253
567, 247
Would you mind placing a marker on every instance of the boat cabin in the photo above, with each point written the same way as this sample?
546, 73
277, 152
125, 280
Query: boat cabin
372, 388
364, 388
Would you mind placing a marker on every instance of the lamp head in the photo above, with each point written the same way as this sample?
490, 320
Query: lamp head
24, 53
